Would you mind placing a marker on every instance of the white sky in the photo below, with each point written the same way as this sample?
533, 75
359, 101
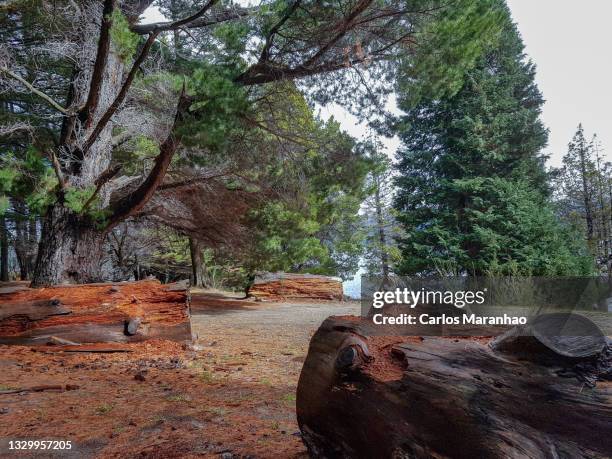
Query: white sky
571, 44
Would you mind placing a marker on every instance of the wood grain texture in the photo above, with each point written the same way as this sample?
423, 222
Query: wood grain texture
96, 313
287, 286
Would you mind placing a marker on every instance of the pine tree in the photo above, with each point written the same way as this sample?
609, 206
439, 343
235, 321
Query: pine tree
583, 196
381, 251
472, 187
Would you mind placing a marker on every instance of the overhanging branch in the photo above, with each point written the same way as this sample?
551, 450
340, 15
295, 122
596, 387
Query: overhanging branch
190, 22
132, 203
33, 90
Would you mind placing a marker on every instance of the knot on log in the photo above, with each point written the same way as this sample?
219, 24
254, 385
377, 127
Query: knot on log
351, 357
131, 326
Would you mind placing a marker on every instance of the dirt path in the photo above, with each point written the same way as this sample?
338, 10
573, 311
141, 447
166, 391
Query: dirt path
232, 396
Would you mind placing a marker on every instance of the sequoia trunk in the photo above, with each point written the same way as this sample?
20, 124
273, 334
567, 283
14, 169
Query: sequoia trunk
70, 250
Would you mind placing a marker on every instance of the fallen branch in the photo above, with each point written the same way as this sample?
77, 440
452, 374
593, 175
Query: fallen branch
55, 388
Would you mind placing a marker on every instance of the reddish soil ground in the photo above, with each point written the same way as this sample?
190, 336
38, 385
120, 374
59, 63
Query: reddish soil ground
232, 395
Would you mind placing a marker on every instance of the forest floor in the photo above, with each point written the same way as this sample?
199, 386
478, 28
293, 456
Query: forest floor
231, 395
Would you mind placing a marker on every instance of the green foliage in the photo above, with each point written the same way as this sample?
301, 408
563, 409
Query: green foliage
381, 253
215, 116
75, 198
472, 189
504, 228
4, 204
449, 47
315, 226
27, 176
124, 40
583, 196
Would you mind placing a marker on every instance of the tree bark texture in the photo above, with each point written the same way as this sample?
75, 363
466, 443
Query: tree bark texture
198, 270
361, 395
71, 250
4, 251
284, 286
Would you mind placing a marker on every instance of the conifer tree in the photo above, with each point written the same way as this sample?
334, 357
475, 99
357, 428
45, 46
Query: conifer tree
472, 187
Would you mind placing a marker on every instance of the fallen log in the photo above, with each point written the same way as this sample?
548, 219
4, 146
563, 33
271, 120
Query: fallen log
94, 313
287, 286
363, 395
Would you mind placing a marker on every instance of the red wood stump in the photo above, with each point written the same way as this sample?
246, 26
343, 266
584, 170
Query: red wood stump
367, 396
93, 313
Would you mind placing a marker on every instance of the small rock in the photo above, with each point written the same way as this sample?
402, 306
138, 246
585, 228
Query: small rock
132, 423
55, 302
114, 289
227, 455
140, 376
4, 410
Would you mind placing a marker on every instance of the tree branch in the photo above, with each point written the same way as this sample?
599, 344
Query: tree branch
173, 25
57, 168
103, 179
265, 53
269, 73
132, 203
110, 111
97, 75
192, 181
33, 90
344, 28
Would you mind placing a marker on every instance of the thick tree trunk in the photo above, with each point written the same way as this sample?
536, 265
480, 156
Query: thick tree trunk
365, 396
70, 251
198, 270
4, 251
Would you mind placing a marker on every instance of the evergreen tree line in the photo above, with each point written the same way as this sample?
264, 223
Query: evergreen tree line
208, 165
472, 193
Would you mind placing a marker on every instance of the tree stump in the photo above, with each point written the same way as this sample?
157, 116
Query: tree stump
363, 395
95, 313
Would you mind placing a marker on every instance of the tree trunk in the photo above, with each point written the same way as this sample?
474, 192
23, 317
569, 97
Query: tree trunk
26, 239
362, 396
198, 270
380, 220
70, 250
4, 251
